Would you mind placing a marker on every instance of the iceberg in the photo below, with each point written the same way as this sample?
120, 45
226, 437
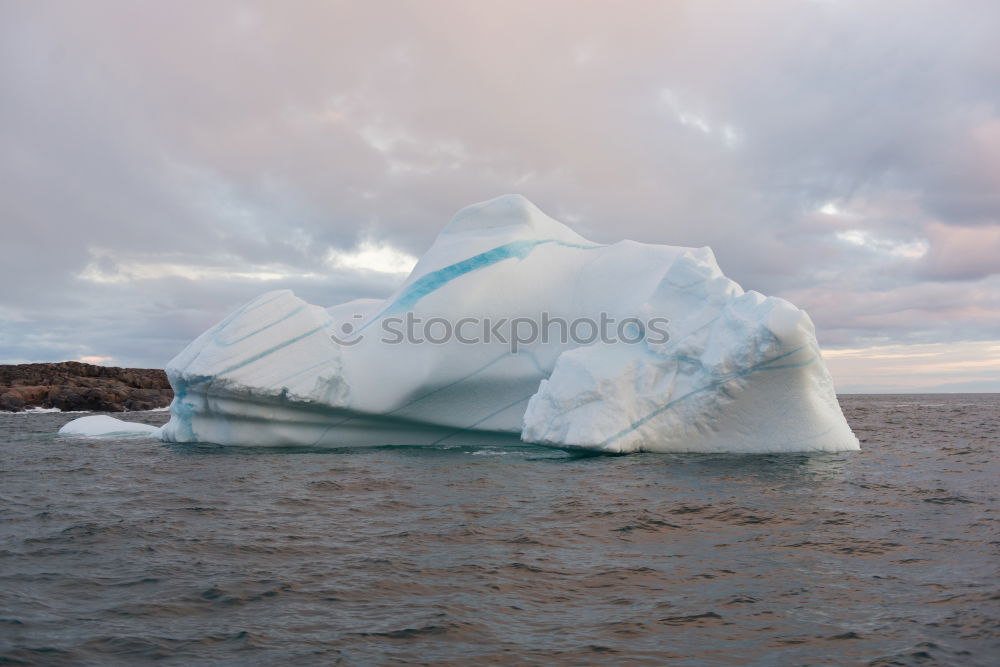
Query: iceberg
513, 324
103, 426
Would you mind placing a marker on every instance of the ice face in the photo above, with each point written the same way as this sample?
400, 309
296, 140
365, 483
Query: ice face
491, 334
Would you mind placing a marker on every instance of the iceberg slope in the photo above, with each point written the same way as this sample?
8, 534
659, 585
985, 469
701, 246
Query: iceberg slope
442, 361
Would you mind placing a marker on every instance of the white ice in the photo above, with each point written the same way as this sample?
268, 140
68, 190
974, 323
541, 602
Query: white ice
740, 373
103, 425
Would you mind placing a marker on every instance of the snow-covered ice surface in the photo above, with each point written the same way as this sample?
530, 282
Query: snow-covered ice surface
103, 425
740, 372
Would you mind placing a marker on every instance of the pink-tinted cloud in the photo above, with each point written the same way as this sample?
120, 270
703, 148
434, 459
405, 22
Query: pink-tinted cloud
962, 253
185, 150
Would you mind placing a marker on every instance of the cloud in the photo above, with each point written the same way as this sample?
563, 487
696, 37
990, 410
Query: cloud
934, 367
892, 248
162, 162
962, 253
372, 256
901, 311
95, 359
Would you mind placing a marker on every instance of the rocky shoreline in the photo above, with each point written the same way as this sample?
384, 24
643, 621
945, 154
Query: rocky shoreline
73, 385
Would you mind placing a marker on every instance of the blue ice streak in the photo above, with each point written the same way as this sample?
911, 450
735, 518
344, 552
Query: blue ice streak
434, 280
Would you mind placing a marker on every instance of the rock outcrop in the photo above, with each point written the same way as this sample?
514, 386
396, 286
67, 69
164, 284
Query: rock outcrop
72, 385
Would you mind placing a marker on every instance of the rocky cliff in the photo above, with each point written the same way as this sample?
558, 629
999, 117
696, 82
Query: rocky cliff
71, 385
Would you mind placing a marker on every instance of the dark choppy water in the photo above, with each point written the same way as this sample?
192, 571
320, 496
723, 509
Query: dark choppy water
127, 550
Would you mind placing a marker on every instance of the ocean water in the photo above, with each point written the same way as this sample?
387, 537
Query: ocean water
125, 551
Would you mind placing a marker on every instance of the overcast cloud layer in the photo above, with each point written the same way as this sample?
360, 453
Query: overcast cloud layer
163, 162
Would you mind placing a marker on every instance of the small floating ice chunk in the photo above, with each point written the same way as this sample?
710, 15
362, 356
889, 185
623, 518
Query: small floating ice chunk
103, 425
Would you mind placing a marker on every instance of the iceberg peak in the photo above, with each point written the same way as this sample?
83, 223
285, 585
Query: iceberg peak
511, 210
513, 216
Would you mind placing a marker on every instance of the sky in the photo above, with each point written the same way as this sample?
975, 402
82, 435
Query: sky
162, 163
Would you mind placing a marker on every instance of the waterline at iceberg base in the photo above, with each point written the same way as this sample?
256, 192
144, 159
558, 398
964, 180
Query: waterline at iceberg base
739, 372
